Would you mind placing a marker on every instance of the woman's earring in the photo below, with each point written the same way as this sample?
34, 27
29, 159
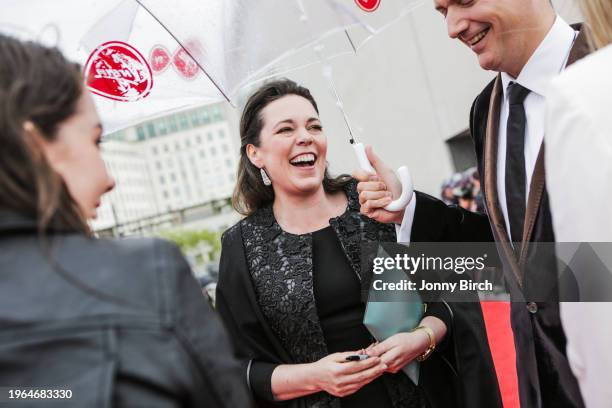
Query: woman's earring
265, 178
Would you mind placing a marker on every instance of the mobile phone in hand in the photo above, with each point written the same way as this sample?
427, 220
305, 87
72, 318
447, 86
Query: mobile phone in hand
357, 357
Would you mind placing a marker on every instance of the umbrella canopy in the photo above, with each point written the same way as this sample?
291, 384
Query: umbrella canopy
144, 58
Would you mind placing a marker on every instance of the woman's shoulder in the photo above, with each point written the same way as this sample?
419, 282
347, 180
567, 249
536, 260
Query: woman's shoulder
231, 234
593, 67
132, 247
260, 218
108, 274
372, 227
586, 79
131, 263
350, 189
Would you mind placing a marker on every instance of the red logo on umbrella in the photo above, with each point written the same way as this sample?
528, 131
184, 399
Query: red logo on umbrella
181, 61
159, 59
184, 64
368, 5
117, 71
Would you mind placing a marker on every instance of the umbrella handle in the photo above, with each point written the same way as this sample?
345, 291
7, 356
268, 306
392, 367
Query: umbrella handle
402, 173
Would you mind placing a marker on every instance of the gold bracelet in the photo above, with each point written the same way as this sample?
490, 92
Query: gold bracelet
432, 343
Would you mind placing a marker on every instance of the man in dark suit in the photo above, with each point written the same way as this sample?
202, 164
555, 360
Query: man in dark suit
527, 44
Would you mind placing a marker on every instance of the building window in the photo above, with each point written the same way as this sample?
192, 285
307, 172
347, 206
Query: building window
213, 151
183, 121
172, 177
216, 113
228, 163
158, 165
202, 154
140, 131
225, 148
195, 118
166, 194
154, 150
221, 134
166, 149
462, 151
161, 127
162, 180
151, 129
209, 137
198, 139
205, 116
172, 124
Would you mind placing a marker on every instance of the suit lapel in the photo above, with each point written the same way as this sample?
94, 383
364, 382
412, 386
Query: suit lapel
581, 47
579, 50
536, 188
490, 178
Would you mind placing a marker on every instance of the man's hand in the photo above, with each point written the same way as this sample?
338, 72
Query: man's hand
377, 191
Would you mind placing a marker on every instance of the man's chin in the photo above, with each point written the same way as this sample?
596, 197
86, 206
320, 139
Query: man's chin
488, 63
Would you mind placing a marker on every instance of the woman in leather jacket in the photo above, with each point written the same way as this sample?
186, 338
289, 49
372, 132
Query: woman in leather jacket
89, 322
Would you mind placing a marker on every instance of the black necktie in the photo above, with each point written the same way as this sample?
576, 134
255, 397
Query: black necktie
516, 179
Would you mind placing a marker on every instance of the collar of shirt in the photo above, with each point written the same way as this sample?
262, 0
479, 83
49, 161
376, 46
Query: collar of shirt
547, 60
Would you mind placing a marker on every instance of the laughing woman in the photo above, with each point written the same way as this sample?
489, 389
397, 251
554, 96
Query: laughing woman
289, 286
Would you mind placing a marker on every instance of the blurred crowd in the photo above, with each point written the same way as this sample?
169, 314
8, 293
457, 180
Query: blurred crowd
463, 189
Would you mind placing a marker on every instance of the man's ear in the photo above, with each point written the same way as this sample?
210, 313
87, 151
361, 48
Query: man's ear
253, 154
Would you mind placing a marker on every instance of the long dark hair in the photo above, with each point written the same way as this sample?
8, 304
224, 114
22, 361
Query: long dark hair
39, 85
250, 193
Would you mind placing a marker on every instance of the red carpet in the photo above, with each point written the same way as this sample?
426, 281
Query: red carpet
501, 342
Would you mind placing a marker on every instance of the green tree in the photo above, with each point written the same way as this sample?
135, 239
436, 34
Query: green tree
188, 239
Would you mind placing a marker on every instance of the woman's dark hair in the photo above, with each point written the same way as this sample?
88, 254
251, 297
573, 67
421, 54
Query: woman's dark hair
250, 193
37, 84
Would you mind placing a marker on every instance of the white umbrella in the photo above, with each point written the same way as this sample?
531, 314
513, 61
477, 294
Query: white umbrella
144, 58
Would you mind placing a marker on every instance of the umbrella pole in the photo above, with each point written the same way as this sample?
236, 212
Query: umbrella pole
350, 40
186, 50
327, 73
327, 70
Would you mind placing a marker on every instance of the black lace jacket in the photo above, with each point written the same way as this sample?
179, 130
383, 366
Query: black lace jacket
265, 297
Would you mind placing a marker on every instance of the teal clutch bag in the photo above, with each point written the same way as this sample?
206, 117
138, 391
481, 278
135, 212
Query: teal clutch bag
394, 312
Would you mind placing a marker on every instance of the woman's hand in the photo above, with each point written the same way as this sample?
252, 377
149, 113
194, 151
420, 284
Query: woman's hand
400, 349
340, 378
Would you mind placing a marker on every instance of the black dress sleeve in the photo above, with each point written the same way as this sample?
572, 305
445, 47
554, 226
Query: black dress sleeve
249, 338
257, 374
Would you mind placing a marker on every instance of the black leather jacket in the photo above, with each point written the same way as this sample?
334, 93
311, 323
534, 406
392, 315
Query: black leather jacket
119, 323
